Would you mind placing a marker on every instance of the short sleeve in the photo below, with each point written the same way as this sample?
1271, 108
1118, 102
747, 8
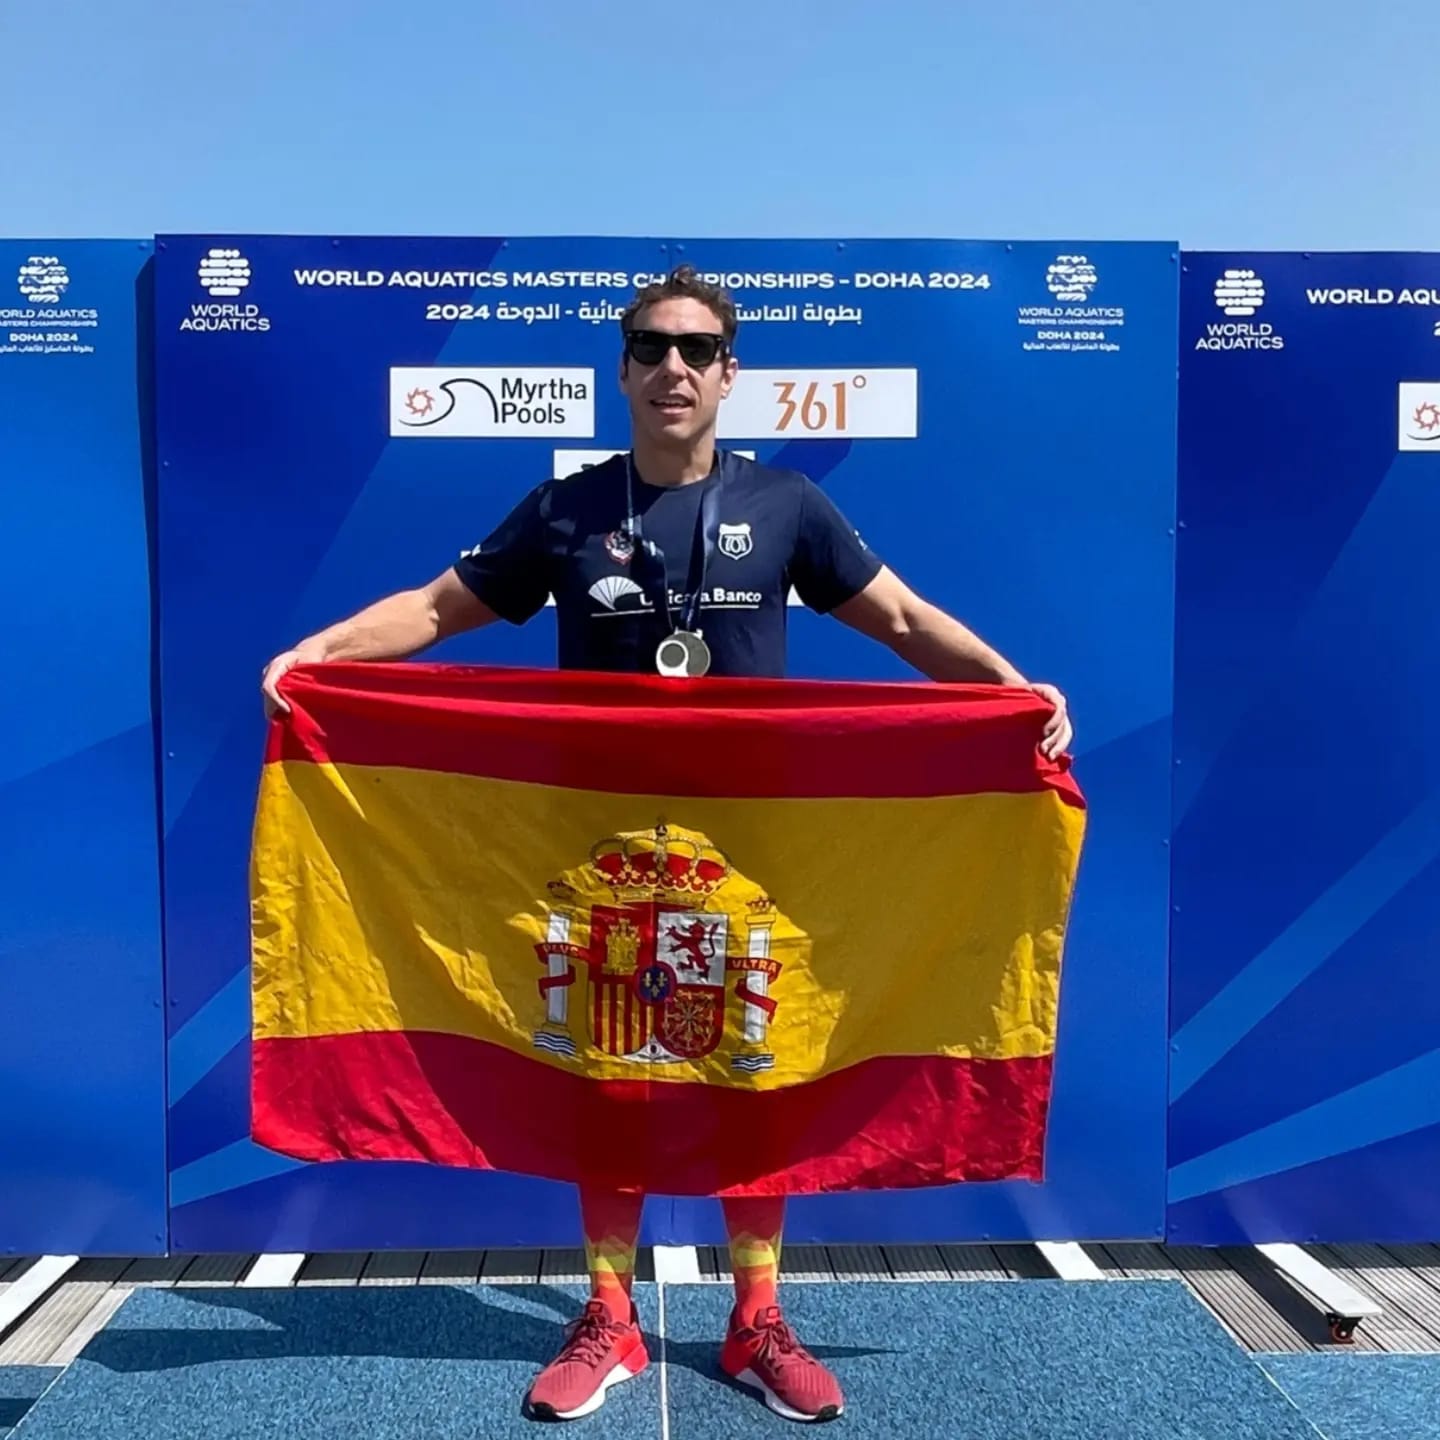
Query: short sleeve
831, 563
507, 570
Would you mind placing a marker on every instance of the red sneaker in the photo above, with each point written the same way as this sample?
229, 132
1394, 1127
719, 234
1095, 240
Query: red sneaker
598, 1352
767, 1357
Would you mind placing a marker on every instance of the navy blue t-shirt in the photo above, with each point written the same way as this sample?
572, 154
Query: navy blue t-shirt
568, 538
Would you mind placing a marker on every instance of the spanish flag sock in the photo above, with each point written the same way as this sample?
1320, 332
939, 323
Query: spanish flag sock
754, 1224
612, 1228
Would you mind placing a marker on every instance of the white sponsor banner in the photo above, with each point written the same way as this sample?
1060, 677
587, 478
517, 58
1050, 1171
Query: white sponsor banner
1420, 415
843, 404
501, 402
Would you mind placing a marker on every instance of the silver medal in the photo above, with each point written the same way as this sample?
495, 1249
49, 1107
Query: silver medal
683, 653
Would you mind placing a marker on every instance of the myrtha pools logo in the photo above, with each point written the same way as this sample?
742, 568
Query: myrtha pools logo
1420, 416
492, 403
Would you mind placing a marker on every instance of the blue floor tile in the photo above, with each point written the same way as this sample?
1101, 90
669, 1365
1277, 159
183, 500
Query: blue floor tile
404, 1363
1002, 1360
1363, 1396
20, 1387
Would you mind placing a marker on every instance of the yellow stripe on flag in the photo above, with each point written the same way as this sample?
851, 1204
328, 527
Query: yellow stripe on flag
397, 899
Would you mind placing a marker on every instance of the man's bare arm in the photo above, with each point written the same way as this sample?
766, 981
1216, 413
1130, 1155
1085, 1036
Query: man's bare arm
923, 635
939, 646
400, 625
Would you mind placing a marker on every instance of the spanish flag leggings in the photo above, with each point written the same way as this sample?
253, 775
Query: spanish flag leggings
612, 1229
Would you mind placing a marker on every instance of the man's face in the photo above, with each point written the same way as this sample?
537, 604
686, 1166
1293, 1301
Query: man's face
671, 401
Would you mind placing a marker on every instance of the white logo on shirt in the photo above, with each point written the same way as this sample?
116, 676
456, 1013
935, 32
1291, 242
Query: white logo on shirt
735, 540
611, 588
620, 595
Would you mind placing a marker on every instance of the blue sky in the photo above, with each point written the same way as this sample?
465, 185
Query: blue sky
1257, 125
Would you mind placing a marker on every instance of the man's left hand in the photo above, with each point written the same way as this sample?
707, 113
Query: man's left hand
1058, 730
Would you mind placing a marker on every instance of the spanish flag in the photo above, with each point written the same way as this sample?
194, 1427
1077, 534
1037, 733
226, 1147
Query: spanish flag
720, 937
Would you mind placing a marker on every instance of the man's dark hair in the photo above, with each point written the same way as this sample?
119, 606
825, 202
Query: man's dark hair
683, 283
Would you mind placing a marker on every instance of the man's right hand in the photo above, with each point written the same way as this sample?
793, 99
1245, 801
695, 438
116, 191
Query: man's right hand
302, 654
398, 626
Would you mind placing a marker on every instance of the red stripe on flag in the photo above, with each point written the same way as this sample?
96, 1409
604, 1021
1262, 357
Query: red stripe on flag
764, 738
893, 1123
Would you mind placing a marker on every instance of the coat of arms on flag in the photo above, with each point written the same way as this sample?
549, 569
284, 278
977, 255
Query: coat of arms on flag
667, 925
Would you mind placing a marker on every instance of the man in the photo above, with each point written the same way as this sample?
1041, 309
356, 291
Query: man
627, 549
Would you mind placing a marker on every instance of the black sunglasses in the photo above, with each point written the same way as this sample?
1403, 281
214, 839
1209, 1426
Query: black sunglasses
650, 347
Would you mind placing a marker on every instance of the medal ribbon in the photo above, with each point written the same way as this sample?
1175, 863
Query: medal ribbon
650, 568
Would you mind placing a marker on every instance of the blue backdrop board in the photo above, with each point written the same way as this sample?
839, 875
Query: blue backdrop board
1305, 1089
997, 420
82, 1126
